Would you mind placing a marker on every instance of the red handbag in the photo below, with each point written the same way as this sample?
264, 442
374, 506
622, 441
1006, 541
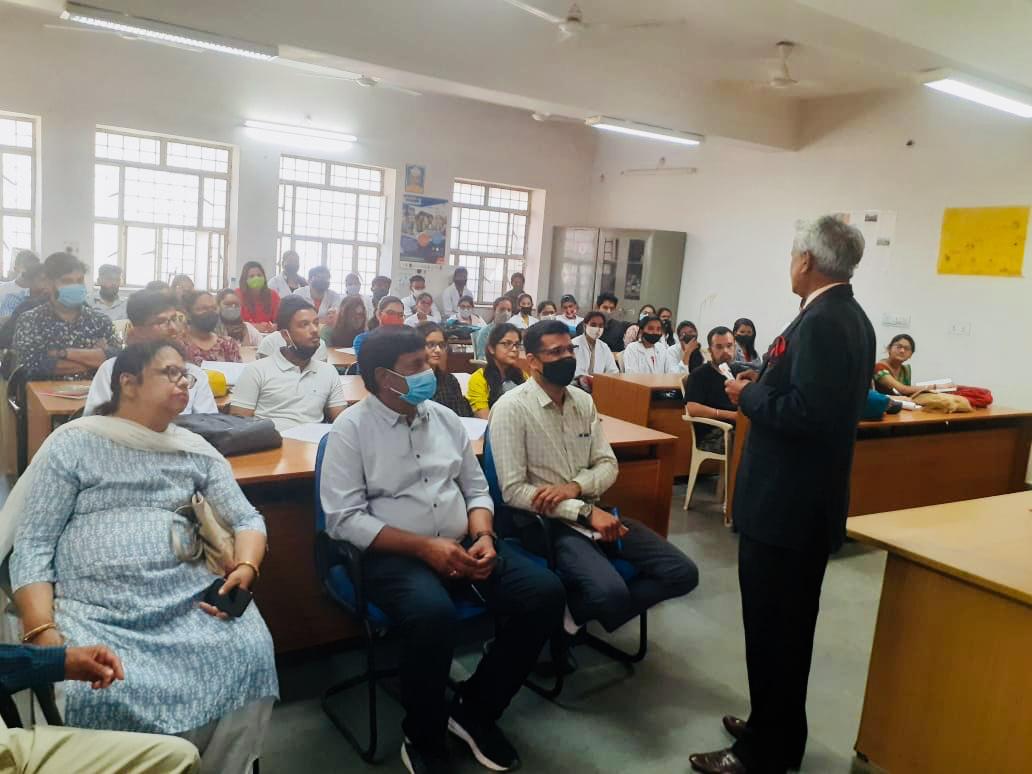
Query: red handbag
978, 397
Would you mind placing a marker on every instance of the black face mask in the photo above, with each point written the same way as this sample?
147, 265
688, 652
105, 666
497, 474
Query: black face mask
320, 285
303, 352
560, 372
205, 322
527, 310
688, 338
667, 326
746, 342
652, 338
109, 294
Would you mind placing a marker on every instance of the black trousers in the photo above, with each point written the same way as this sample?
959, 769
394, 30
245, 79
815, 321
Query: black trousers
529, 601
781, 591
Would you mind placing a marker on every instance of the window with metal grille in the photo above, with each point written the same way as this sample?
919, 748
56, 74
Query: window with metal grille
489, 235
17, 188
161, 207
332, 215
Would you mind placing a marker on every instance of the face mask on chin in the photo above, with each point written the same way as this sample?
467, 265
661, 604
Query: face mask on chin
304, 352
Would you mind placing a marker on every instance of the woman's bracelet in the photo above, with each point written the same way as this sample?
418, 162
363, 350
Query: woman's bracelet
30, 635
252, 565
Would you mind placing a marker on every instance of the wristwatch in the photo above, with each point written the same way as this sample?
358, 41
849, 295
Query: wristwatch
584, 515
487, 532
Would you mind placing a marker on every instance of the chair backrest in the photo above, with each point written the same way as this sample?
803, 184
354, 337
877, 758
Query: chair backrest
320, 514
490, 471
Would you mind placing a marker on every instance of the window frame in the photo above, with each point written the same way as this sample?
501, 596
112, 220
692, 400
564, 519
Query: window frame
32, 213
217, 275
474, 261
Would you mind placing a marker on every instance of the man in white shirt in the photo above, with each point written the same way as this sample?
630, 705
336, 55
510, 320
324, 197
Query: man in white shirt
106, 300
272, 343
288, 280
23, 261
153, 315
318, 293
290, 387
417, 286
451, 295
416, 502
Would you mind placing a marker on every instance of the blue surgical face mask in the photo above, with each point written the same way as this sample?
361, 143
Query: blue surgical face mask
421, 386
71, 296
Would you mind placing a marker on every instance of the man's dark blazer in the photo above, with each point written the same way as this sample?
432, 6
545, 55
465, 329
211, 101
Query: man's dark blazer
792, 488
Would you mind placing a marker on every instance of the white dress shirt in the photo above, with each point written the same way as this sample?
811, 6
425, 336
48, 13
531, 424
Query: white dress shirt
605, 363
330, 301
276, 389
637, 359
421, 477
414, 320
280, 285
450, 299
201, 399
522, 324
274, 341
409, 302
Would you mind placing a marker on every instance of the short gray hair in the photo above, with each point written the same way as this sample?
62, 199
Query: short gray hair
836, 247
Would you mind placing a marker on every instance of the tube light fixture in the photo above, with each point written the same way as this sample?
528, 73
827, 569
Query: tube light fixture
969, 88
295, 132
648, 131
169, 33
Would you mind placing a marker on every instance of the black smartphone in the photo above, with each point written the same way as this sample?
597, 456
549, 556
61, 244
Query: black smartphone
233, 604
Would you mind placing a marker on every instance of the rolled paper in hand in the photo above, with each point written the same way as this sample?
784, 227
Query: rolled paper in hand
725, 369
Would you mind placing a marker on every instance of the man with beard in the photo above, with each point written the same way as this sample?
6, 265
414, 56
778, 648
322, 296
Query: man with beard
704, 394
106, 301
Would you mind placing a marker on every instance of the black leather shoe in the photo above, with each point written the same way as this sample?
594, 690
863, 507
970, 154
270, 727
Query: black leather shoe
735, 726
717, 762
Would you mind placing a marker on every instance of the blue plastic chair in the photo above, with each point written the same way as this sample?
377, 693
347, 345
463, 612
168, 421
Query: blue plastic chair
339, 567
503, 516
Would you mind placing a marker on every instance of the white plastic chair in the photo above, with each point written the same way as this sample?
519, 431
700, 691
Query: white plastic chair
699, 456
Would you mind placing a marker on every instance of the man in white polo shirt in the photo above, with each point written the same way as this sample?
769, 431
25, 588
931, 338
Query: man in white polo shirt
290, 387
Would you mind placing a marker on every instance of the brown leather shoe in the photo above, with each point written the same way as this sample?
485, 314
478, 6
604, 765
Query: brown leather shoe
717, 762
735, 726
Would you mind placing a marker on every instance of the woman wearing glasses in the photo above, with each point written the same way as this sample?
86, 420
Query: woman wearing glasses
501, 373
448, 393
100, 510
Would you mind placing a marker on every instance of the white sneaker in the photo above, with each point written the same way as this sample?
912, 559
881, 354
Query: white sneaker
569, 625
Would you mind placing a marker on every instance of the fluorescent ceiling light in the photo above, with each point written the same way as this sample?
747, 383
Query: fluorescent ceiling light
294, 131
648, 131
962, 86
168, 33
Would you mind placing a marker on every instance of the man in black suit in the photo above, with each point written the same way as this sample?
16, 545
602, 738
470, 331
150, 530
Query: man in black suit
792, 492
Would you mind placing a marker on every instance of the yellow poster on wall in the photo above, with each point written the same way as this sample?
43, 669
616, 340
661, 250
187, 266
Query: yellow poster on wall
986, 241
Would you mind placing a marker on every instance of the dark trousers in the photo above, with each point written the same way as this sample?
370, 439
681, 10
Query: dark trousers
597, 592
781, 592
528, 601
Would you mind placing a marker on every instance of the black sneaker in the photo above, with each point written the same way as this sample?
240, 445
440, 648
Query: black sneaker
424, 760
487, 743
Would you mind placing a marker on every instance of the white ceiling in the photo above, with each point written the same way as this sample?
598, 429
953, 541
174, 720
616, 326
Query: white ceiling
693, 75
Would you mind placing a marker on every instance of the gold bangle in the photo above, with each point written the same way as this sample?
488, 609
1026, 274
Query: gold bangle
37, 631
252, 565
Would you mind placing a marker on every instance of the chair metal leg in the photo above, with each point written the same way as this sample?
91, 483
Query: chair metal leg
48, 704
615, 653
551, 693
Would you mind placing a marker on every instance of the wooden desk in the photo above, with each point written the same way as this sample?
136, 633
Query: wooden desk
949, 682
279, 483
354, 388
44, 409
637, 398
917, 458
341, 359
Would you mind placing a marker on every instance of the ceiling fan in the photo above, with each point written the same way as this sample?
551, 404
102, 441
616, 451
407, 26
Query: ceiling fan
779, 76
573, 25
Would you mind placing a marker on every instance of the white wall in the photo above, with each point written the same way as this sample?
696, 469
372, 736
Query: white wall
740, 209
76, 80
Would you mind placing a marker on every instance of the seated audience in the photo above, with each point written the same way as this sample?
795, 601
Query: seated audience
258, 305
666, 316
351, 321
456, 290
465, 315
516, 283
634, 329
200, 342
106, 300
157, 285
23, 261
501, 312
353, 289
501, 374
288, 280
14, 305
290, 386
274, 341
745, 344
613, 333
546, 310
892, 375
320, 295
593, 354
417, 504
103, 553
152, 315
524, 316
552, 458
424, 311
380, 287
390, 313
684, 355
448, 392
55, 750
569, 306
181, 285
648, 354
704, 394
230, 323
417, 286
65, 338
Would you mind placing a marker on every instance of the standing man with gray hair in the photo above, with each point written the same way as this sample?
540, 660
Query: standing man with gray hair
792, 492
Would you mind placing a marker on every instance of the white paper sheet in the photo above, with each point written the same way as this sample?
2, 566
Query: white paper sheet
347, 350
231, 370
312, 432
475, 428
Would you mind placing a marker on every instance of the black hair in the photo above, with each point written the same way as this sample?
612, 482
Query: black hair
132, 360
108, 269
610, 297
516, 274
493, 370
668, 325
381, 278
648, 306
592, 315
427, 327
902, 337
463, 269
144, 304
720, 330
59, 264
532, 336
178, 277
383, 347
545, 303
645, 321
265, 295
156, 285
521, 296
499, 300
415, 277
191, 298
33, 273
751, 355
686, 324
26, 259
424, 294
290, 306
387, 301
316, 270
568, 298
